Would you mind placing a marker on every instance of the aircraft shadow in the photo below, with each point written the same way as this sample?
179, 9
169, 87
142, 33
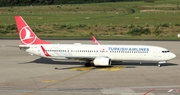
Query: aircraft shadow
114, 63
143, 64
51, 61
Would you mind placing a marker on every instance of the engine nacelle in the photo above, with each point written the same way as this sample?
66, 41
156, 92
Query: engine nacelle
102, 61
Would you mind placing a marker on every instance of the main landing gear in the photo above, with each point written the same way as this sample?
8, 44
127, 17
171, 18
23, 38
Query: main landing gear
88, 64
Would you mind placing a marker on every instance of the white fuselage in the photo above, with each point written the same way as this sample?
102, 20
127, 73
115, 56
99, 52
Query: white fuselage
113, 52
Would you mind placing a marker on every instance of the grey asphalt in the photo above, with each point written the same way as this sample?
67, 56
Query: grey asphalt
23, 74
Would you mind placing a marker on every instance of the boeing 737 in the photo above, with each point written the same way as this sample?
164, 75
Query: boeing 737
97, 55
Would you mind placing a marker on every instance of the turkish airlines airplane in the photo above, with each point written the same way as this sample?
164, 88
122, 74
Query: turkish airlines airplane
98, 55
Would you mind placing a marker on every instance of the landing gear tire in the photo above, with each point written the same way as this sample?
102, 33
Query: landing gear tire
88, 64
159, 65
140, 62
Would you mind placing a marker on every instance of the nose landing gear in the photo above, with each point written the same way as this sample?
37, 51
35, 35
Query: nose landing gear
159, 65
161, 62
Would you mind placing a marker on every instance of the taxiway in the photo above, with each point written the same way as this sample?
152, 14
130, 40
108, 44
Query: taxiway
23, 74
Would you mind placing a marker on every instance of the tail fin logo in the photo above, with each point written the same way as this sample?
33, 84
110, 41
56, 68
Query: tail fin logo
27, 36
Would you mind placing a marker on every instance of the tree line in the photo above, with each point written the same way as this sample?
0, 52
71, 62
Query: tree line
54, 2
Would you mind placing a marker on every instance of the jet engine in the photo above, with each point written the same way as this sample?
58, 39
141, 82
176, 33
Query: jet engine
102, 61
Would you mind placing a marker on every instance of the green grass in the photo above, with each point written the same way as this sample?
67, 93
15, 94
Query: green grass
105, 20
95, 18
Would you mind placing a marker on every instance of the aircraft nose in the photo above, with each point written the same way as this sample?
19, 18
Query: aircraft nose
172, 55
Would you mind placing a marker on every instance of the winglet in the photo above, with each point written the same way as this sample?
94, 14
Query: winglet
95, 41
27, 36
45, 52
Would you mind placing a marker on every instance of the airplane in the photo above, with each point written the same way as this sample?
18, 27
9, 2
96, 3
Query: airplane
97, 55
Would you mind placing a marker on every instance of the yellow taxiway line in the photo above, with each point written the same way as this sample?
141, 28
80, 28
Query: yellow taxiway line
113, 68
60, 81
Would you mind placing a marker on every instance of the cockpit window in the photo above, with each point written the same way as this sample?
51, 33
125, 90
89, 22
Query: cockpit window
166, 51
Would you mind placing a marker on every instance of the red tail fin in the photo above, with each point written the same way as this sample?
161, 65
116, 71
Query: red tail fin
26, 35
95, 41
